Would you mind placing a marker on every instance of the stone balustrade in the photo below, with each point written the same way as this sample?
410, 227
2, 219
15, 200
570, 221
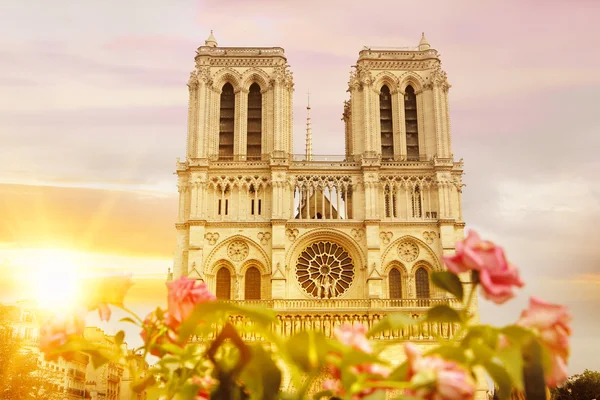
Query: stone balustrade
294, 316
362, 305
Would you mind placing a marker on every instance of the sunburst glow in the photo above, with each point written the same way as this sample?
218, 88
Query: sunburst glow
54, 278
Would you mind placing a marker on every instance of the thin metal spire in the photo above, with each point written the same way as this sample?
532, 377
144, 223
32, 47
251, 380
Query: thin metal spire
308, 131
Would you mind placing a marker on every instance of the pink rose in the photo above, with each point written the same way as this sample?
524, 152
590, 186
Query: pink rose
57, 331
551, 322
184, 295
496, 275
353, 336
436, 378
205, 383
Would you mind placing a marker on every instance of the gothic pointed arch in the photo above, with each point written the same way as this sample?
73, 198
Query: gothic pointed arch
411, 121
226, 121
422, 283
222, 252
410, 78
255, 75
223, 283
385, 78
227, 75
424, 253
254, 124
386, 123
252, 284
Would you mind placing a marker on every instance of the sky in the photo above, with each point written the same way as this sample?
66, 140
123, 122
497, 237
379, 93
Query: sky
93, 106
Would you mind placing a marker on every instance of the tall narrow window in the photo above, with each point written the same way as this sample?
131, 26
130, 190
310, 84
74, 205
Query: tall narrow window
422, 283
412, 129
226, 123
385, 118
388, 201
223, 284
254, 138
395, 284
416, 202
252, 284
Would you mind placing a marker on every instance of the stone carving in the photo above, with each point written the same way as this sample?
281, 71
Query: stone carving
408, 251
237, 250
386, 237
211, 237
292, 234
264, 237
429, 237
325, 270
358, 234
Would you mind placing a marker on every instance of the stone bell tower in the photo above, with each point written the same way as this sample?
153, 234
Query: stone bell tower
239, 105
398, 107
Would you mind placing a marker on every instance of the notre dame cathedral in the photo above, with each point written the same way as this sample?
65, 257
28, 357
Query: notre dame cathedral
322, 240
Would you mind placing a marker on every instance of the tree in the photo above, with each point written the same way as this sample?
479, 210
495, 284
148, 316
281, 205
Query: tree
20, 377
584, 386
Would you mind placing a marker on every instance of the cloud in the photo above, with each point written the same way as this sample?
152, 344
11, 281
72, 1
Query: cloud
102, 221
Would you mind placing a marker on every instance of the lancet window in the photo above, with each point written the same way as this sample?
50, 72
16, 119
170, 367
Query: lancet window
323, 197
422, 283
239, 196
412, 127
252, 284
254, 137
226, 123
385, 118
409, 198
223, 291
395, 283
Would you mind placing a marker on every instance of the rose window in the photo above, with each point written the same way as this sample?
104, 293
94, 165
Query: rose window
408, 251
325, 270
237, 250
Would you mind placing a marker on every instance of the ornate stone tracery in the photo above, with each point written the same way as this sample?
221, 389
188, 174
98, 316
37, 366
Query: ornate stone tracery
237, 250
325, 270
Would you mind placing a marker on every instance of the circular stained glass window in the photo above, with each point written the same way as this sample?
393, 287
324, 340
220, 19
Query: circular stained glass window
325, 270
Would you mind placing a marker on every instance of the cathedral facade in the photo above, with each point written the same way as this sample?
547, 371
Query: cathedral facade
322, 240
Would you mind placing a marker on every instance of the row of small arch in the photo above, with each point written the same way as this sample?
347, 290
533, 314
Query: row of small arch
253, 283
261, 78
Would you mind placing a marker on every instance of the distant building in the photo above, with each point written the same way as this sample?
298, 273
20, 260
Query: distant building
103, 383
62, 376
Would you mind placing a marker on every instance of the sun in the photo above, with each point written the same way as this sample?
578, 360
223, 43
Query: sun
56, 279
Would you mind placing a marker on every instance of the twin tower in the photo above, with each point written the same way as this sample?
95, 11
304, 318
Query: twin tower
319, 239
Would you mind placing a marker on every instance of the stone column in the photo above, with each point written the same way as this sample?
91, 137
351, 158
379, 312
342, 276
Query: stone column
192, 111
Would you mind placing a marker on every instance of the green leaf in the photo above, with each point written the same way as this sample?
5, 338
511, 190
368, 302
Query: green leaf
261, 375
449, 282
171, 348
400, 373
517, 334
443, 313
128, 319
482, 352
501, 377
308, 350
512, 359
143, 384
488, 334
533, 369
322, 393
449, 352
391, 321
119, 337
